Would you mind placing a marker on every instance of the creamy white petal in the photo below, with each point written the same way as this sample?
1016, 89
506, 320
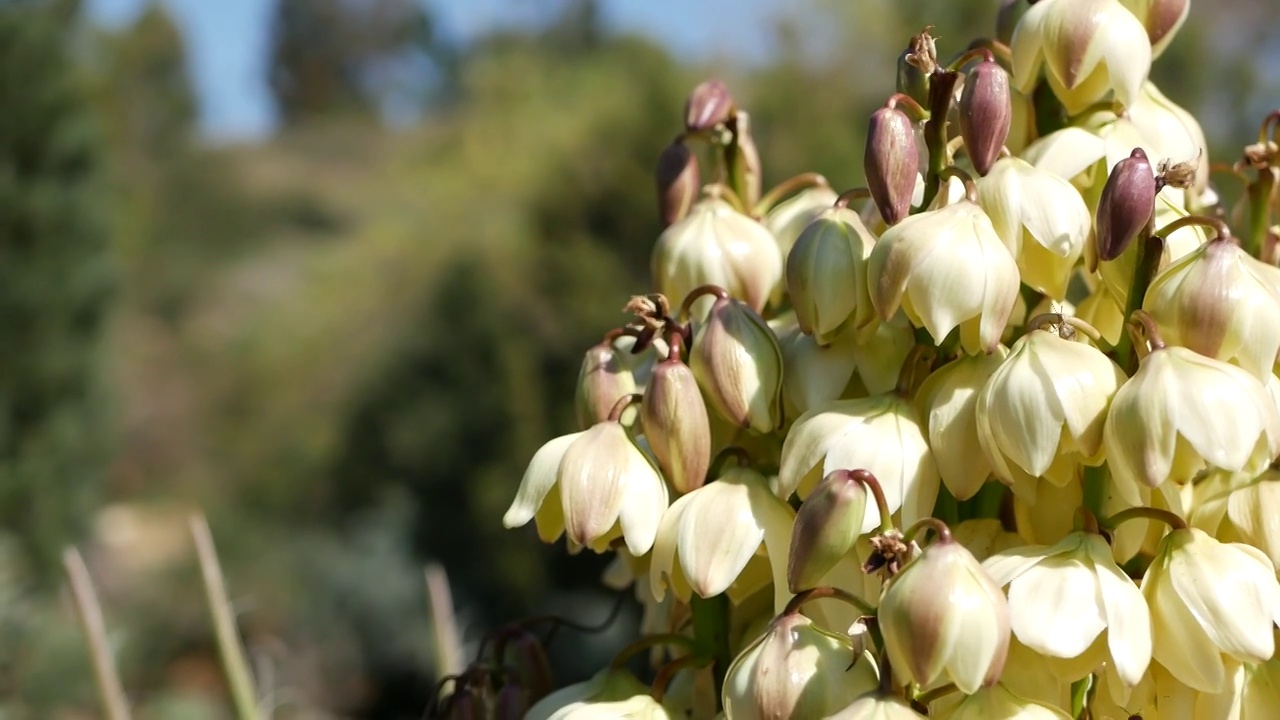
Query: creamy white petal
1231, 592
718, 534
1054, 607
538, 480
1128, 618
810, 439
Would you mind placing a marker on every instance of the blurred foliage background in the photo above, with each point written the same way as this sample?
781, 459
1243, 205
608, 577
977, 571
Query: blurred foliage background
344, 343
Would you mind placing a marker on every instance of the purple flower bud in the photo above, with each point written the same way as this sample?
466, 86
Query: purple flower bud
678, 180
986, 112
512, 703
675, 421
1127, 204
890, 163
529, 659
707, 106
465, 704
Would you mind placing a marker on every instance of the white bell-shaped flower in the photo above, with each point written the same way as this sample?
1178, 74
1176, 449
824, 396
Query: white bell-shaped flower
875, 706
1210, 601
729, 536
609, 694
948, 402
1041, 413
880, 434
998, 702
1089, 49
717, 245
1183, 413
946, 268
1064, 597
1041, 218
605, 485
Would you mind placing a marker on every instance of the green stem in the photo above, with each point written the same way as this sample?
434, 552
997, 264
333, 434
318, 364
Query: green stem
1095, 488
936, 693
824, 593
1216, 224
1144, 513
793, 184
115, 705
711, 633
625, 654
1259, 212
1149, 249
234, 661
928, 523
972, 54
942, 84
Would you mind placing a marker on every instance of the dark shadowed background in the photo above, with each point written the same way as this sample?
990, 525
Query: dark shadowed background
325, 270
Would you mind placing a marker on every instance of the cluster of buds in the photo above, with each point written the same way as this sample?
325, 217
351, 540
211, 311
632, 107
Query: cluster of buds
995, 436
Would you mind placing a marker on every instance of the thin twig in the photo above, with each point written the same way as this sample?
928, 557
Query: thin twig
234, 662
115, 705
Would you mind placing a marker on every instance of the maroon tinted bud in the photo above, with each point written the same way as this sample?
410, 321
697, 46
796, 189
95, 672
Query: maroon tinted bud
675, 421
707, 106
678, 180
1127, 204
526, 654
465, 704
986, 111
890, 163
512, 703
1165, 17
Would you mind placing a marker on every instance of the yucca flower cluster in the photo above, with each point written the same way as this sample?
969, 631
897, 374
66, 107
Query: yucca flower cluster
992, 437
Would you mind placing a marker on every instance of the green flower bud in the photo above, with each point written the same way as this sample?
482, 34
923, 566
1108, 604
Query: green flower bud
1126, 206
943, 617
679, 180
676, 425
709, 105
986, 113
827, 525
890, 163
796, 670
826, 275
738, 365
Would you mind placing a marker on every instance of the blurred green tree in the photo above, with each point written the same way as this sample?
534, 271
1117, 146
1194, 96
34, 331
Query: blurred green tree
337, 56
56, 280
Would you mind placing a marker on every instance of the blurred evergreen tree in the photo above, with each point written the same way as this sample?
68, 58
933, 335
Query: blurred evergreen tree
56, 279
362, 58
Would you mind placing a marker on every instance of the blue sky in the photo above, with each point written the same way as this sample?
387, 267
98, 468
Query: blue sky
227, 40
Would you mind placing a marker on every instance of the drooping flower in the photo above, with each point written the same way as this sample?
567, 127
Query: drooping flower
1210, 601
728, 536
948, 402
826, 275
738, 365
1064, 597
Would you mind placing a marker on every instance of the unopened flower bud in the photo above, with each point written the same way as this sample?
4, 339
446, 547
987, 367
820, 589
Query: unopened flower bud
1089, 48
717, 245
943, 617
743, 161
1126, 206
465, 704
1182, 413
890, 163
1042, 412
511, 704
796, 670
1210, 601
1222, 303
827, 525
676, 425
827, 277
708, 536
948, 402
602, 380
738, 364
709, 105
526, 655
986, 112
946, 268
678, 180
1162, 18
